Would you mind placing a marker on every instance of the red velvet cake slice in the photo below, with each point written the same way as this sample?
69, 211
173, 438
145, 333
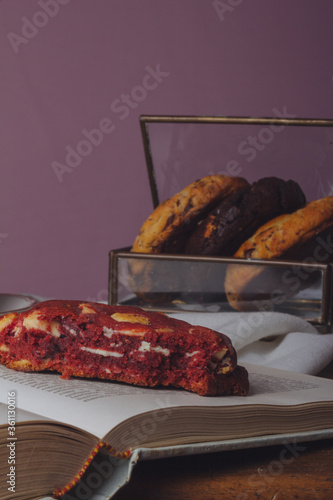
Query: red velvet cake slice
120, 343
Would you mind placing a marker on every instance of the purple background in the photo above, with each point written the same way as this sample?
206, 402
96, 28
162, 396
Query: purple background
67, 66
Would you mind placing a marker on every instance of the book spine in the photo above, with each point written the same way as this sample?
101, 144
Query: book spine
102, 445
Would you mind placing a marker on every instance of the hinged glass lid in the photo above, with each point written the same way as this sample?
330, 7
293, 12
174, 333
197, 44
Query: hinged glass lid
181, 149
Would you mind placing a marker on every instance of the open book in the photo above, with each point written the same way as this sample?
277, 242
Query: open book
54, 430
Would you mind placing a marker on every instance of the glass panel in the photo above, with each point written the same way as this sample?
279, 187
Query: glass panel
183, 151
171, 283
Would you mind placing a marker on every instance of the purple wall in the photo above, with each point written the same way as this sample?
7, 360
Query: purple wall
69, 67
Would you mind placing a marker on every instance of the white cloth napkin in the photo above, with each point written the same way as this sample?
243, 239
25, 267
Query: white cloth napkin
271, 339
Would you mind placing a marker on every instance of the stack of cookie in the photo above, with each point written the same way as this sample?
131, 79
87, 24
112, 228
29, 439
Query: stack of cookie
229, 217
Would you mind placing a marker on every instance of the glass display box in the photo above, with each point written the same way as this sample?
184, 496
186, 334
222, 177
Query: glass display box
179, 150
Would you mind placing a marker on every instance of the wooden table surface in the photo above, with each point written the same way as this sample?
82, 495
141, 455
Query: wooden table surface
303, 472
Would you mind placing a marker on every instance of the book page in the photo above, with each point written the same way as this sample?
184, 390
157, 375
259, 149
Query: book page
98, 406
9, 412
95, 406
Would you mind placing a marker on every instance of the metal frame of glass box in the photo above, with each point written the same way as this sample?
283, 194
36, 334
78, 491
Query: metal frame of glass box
317, 310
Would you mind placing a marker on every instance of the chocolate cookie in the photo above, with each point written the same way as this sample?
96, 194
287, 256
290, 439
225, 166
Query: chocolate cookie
304, 236
167, 228
240, 214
